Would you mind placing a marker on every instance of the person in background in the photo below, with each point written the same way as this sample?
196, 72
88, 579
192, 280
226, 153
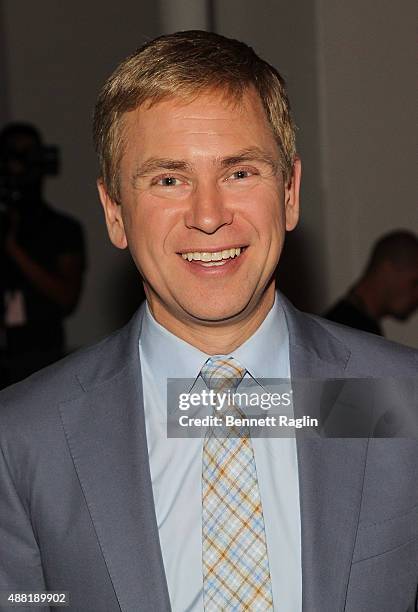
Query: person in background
42, 257
387, 288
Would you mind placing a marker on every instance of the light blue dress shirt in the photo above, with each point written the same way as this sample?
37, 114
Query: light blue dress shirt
176, 465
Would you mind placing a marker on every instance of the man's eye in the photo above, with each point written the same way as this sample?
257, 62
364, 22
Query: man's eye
168, 181
240, 174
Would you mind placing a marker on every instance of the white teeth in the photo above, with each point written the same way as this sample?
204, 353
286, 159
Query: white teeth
217, 256
214, 263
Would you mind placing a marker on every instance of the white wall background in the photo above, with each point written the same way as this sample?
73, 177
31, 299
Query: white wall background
368, 140
349, 67
58, 56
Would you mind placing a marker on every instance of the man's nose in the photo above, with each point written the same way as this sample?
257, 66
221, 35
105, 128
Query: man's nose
208, 210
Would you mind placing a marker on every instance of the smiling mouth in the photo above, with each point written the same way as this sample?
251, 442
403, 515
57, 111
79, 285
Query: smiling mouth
216, 258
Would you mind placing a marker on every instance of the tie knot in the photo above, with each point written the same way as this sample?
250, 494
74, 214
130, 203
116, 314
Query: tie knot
222, 373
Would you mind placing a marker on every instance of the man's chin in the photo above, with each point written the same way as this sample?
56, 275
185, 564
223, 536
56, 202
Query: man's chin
216, 316
223, 308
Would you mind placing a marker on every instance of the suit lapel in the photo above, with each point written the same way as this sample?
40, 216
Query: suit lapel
105, 430
331, 471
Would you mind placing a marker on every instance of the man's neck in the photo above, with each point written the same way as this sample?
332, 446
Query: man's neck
368, 294
219, 338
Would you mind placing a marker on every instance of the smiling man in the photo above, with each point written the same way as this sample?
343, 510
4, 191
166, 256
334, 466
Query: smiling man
204, 209
199, 178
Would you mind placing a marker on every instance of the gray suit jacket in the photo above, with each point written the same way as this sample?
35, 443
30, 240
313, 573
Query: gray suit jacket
76, 503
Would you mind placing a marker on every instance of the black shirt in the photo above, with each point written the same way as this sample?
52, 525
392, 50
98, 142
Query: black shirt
45, 234
347, 313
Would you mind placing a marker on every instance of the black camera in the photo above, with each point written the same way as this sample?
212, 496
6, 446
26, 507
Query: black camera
18, 170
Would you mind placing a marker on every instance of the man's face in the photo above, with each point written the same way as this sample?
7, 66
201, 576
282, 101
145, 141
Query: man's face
204, 207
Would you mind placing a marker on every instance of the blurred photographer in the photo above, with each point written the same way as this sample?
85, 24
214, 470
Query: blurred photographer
42, 257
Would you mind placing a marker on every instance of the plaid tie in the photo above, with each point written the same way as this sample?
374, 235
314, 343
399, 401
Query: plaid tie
236, 573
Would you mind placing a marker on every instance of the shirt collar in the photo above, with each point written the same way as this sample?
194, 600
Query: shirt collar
167, 354
265, 354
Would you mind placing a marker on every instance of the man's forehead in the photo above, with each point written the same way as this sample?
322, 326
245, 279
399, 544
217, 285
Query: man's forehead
175, 121
177, 134
246, 99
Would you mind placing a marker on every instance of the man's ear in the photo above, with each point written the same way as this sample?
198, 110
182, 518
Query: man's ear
113, 216
291, 195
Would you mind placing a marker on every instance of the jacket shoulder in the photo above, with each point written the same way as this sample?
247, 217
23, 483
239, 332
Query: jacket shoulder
371, 355
37, 397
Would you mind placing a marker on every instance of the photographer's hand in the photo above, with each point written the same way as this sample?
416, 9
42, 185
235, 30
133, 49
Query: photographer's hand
10, 243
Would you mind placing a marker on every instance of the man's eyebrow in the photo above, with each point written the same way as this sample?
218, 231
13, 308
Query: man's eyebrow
250, 155
155, 164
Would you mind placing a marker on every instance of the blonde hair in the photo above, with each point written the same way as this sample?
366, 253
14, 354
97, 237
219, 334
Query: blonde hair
184, 65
